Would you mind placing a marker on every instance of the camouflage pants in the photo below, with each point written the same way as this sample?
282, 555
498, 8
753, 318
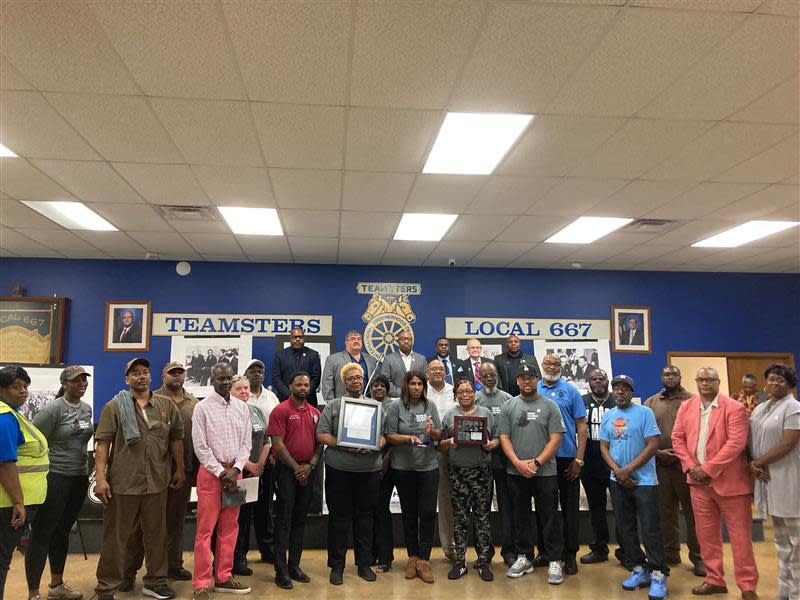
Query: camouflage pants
471, 493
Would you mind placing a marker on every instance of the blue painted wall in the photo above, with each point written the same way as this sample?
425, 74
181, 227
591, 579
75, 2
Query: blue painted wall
693, 312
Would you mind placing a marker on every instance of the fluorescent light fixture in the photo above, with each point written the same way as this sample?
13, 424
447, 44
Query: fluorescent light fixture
473, 143
744, 234
252, 221
422, 227
72, 215
585, 230
6, 152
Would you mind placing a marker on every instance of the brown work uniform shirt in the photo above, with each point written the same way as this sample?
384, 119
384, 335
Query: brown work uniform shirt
185, 409
665, 406
145, 467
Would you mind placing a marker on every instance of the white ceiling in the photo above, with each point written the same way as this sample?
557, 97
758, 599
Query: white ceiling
685, 110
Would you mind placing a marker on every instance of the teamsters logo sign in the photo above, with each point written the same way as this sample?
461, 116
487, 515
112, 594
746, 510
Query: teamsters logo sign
388, 313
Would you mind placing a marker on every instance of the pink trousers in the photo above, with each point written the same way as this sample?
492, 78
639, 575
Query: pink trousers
709, 510
210, 514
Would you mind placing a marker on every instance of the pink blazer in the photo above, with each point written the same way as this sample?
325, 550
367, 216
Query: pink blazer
728, 428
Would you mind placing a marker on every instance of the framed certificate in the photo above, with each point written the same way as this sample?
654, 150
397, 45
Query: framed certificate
469, 430
359, 423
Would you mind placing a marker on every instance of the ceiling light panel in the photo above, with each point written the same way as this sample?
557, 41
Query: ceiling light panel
6, 152
72, 215
586, 230
422, 227
744, 234
252, 221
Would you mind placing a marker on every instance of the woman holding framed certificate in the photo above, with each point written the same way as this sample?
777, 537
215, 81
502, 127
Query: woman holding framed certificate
412, 425
470, 434
352, 429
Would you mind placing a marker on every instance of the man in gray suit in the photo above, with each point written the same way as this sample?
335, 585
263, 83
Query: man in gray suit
401, 362
332, 384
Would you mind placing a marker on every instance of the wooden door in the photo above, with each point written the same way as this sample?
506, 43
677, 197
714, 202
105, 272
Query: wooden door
755, 364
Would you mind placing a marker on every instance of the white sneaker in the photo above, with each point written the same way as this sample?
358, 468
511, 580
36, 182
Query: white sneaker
555, 575
522, 567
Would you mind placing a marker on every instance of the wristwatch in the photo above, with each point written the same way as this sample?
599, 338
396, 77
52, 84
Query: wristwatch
580, 462
537, 463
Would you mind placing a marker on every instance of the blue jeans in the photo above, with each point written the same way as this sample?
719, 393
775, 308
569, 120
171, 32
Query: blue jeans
634, 508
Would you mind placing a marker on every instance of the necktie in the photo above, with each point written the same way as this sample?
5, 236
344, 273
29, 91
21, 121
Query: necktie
477, 371
448, 374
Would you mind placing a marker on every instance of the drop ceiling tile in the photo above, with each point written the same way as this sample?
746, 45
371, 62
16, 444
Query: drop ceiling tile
525, 53
780, 7
15, 214
544, 255
735, 255
462, 252
369, 225
477, 228
7, 253
703, 199
310, 247
33, 129
613, 265
234, 257
211, 132
90, 181
628, 238
132, 217
510, 195
574, 196
218, 225
235, 186
315, 260
389, 140
64, 242
554, 144
59, 46
497, 254
642, 51
779, 105
683, 256
752, 60
639, 197
20, 180
300, 188
116, 244
792, 180
691, 232
300, 136
407, 253
410, 54
639, 146
265, 247
10, 78
24, 246
443, 193
790, 212
164, 184
595, 252
533, 228
736, 6
719, 149
213, 243
774, 164
310, 223
641, 253
376, 191
120, 128
172, 51
361, 252
291, 51
763, 202
167, 243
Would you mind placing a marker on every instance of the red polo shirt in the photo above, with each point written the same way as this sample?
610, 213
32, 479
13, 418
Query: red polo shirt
298, 426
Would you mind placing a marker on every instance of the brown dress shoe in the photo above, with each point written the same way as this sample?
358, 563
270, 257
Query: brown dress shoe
706, 589
749, 595
424, 571
411, 567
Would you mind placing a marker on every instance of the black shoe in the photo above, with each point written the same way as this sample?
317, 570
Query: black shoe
337, 577
297, 574
458, 570
540, 561
282, 580
367, 574
673, 560
268, 557
162, 592
126, 585
620, 556
699, 569
570, 566
594, 557
485, 572
509, 559
179, 574
241, 568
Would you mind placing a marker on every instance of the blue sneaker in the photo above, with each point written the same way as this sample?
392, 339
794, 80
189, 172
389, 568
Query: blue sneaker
658, 586
639, 578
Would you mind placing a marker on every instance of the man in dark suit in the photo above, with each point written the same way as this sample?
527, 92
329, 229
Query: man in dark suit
509, 363
296, 358
634, 336
127, 330
401, 362
443, 354
470, 367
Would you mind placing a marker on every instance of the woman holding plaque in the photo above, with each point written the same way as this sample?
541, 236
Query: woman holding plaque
352, 479
470, 435
412, 425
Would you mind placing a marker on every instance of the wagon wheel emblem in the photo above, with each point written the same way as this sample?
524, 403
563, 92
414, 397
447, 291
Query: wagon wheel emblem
380, 334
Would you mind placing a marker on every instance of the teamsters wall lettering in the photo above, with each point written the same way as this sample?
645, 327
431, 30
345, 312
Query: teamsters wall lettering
255, 325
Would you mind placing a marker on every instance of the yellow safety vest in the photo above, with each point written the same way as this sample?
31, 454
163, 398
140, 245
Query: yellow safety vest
33, 462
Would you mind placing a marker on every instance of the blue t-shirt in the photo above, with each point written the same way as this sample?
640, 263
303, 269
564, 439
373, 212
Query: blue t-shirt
10, 437
626, 432
569, 400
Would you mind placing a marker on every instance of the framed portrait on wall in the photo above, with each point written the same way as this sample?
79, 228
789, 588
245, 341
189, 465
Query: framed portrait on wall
32, 330
127, 326
631, 329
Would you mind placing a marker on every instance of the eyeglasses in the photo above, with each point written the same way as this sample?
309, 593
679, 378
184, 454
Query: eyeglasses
354, 378
465, 393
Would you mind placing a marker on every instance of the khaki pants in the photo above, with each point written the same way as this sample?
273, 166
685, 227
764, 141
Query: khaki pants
123, 514
673, 492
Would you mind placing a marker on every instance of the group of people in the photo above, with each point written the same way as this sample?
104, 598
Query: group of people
537, 439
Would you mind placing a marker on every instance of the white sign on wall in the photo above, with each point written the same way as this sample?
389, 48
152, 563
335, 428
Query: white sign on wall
253, 325
527, 328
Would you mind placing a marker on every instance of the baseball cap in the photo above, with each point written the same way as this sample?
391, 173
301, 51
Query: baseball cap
526, 369
255, 361
71, 372
136, 361
623, 379
173, 365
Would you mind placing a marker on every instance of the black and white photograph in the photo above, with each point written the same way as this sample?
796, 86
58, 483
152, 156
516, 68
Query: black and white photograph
578, 359
127, 326
469, 431
490, 347
201, 353
631, 329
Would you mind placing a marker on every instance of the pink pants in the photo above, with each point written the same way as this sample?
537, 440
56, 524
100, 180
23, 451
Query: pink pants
210, 514
709, 510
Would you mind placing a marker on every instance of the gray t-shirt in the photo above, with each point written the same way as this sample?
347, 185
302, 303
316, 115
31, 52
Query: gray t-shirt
494, 402
529, 426
468, 457
345, 459
68, 428
259, 425
410, 420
